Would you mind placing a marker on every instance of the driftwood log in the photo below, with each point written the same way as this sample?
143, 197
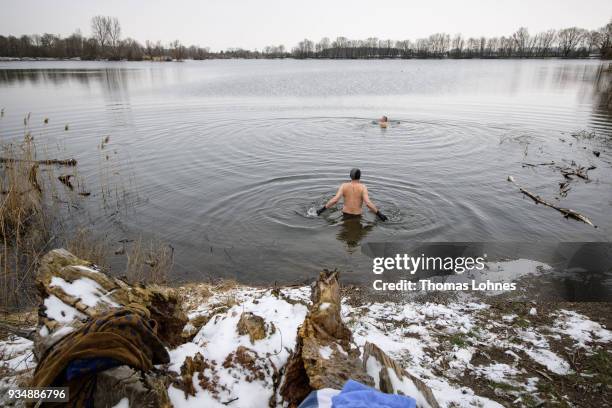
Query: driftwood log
565, 211
393, 379
60, 162
25, 332
307, 368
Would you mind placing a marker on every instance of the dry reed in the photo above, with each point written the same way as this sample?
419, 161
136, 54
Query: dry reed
38, 212
24, 221
149, 262
85, 245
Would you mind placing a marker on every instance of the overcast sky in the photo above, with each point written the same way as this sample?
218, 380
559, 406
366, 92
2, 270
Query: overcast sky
221, 24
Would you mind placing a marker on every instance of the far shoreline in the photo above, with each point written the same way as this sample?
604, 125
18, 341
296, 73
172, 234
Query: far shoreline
591, 58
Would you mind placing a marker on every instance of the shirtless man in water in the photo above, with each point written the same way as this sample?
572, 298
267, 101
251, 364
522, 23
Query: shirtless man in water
355, 195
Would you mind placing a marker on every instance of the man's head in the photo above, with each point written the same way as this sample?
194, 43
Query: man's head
384, 119
355, 174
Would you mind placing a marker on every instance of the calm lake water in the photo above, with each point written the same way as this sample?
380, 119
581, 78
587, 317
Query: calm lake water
225, 160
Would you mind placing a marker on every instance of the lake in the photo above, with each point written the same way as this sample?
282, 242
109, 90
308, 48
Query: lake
225, 160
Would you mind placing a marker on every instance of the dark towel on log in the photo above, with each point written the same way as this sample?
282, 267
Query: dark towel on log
126, 335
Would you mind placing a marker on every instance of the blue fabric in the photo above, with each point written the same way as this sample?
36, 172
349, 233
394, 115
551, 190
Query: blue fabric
84, 366
319, 398
357, 395
311, 401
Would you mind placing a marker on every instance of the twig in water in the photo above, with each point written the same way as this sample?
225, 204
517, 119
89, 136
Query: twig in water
565, 211
564, 188
552, 163
65, 180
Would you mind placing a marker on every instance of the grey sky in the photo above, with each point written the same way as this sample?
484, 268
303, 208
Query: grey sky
257, 23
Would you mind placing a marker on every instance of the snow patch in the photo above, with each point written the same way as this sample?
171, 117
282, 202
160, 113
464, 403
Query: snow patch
324, 306
123, 403
89, 291
581, 329
325, 352
16, 354
550, 360
59, 311
499, 373
219, 337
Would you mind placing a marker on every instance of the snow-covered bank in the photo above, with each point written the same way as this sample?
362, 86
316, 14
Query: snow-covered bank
443, 344
470, 352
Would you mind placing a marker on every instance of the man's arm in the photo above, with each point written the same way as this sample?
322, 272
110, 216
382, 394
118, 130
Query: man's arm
371, 206
335, 198
366, 200
333, 201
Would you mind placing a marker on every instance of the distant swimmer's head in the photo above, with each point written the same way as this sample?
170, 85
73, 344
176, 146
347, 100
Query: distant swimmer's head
384, 119
355, 174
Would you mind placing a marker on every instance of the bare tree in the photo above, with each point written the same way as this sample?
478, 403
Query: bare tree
592, 40
340, 44
323, 46
569, 38
371, 44
131, 50
114, 34
457, 45
99, 30
521, 41
178, 50
492, 46
483, 46
304, 49
149, 49
387, 46
544, 42
506, 47
74, 45
605, 40
439, 44
405, 48
421, 47
472, 46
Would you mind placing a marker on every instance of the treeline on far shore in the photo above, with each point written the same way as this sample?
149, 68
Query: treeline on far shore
105, 42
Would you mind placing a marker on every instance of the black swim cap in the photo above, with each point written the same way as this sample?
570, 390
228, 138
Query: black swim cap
355, 174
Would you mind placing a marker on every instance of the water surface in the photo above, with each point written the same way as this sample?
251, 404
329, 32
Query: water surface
225, 160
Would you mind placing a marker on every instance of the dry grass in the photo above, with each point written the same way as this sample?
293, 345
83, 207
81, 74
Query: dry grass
21, 190
86, 245
146, 261
20, 323
31, 199
194, 294
24, 220
149, 262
